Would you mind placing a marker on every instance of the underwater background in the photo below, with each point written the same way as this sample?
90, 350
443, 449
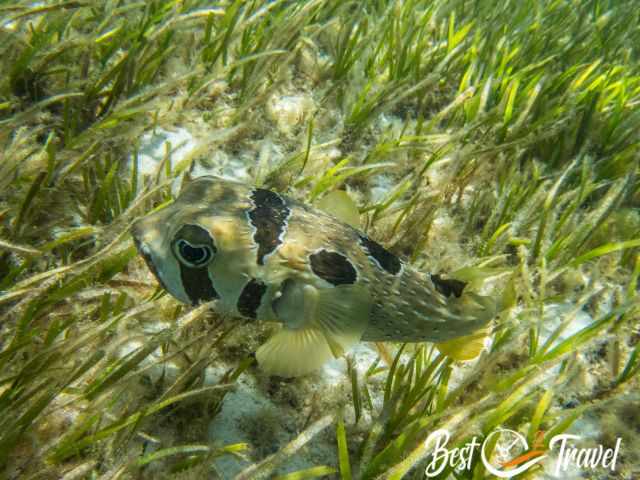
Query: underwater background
497, 142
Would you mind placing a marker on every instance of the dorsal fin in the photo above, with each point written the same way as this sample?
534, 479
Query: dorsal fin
339, 204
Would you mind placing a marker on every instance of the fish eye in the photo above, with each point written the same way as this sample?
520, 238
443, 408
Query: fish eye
193, 255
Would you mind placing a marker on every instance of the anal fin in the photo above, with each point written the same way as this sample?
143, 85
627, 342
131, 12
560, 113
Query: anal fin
464, 348
290, 353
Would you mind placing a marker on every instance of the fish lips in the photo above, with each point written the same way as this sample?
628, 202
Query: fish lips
140, 231
148, 259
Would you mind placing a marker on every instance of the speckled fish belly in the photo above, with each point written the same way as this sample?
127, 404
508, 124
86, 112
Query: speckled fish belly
264, 256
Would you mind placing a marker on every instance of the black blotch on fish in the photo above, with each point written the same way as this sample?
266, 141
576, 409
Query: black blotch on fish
448, 286
197, 284
250, 298
333, 267
269, 218
384, 258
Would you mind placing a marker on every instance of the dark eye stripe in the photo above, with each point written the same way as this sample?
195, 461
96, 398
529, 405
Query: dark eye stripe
250, 298
448, 287
197, 284
269, 218
385, 260
333, 267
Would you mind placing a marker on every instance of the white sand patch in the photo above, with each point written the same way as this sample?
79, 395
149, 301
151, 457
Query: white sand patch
380, 187
178, 145
248, 415
221, 164
335, 371
589, 431
267, 424
155, 146
556, 314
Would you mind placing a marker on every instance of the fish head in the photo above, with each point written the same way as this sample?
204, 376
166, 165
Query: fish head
178, 247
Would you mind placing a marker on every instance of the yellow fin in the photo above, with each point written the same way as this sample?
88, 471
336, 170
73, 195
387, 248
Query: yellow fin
318, 324
464, 348
339, 204
290, 353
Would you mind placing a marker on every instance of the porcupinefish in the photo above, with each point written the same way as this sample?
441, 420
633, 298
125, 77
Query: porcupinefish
264, 256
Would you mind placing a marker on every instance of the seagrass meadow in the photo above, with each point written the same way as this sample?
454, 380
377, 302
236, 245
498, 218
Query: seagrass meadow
497, 142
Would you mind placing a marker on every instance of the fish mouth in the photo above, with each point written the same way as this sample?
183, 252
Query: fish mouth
144, 251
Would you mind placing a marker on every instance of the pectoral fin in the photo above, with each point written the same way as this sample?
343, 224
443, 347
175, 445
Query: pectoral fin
319, 324
342, 315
